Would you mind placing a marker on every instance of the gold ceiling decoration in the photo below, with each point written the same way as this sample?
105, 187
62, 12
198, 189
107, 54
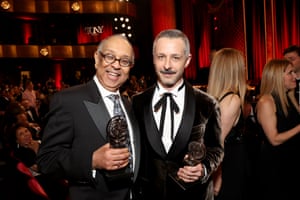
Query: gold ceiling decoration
68, 6
44, 52
5, 5
75, 6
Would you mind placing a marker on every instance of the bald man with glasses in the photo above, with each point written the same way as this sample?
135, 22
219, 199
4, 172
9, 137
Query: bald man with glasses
76, 144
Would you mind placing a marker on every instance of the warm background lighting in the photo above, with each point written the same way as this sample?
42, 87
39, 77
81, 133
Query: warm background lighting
5, 5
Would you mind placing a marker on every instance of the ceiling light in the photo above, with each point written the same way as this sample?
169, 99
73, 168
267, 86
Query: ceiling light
5, 5
75, 6
44, 52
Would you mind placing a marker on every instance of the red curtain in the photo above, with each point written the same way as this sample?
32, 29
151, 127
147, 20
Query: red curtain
205, 37
189, 29
27, 32
163, 15
281, 28
287, 24
257, 42
262, 31
58, 75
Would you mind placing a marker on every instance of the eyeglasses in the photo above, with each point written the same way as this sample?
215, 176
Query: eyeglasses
109, 58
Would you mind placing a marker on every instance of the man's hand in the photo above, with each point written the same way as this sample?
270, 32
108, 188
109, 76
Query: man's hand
110, 158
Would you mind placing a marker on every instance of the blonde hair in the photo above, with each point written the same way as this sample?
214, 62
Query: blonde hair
227, 74
272, 82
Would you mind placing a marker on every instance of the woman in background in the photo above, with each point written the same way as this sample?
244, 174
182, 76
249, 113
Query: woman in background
25, 149
227, 82
280, 122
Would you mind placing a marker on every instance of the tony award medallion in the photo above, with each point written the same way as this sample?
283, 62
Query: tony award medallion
118, 137
196, 153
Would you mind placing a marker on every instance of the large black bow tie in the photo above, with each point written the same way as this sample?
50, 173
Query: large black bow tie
173, 108
163, 102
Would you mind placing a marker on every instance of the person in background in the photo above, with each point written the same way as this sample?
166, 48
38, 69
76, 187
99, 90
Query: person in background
24, 149
30, 112
280, 123
227, 82
24, 146
75, 143
5, 100
292, 53
30, 94
15, 114
196, 118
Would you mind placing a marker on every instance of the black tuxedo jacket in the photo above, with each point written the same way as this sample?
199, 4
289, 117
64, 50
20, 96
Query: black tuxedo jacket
75, 128
32, 115
200, 120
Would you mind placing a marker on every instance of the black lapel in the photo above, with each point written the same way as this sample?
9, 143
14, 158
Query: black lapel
97, 109
186, 125
150, 125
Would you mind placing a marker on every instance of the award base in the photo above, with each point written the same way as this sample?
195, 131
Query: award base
183, 185
119, 175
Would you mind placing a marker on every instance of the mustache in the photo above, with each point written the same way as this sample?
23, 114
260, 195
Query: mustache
167, 71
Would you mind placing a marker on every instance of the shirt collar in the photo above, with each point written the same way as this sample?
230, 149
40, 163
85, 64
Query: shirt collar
104, 92
161, 90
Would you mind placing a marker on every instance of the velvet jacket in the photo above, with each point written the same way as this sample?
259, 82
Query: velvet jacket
200, 121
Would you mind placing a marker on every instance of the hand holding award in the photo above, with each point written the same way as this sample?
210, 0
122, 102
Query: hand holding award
196, 153
118, 137
117, 132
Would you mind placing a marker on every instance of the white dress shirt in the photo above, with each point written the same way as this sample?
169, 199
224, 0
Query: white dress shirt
178, 96
110, 105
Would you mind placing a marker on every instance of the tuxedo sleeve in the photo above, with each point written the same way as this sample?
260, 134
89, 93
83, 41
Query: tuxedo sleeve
212, 139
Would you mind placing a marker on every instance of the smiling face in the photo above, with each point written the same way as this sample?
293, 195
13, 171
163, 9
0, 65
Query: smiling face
170, 61
112, 75
289, 77
23, 136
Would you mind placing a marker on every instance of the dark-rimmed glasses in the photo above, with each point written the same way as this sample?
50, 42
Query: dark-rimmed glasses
109, 59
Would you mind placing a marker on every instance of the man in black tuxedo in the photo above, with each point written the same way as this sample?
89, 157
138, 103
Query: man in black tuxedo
5, 99
172, 114
75, 143
31, 113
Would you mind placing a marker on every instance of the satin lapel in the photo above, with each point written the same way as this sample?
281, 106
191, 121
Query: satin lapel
150, 126
185, 128
99, 114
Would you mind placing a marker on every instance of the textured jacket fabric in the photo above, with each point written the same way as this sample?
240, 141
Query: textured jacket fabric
200, 120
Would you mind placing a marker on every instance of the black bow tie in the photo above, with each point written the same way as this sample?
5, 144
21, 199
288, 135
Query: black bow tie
174, 108
163, 102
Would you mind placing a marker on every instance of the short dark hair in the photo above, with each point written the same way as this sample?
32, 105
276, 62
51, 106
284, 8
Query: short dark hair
292, 48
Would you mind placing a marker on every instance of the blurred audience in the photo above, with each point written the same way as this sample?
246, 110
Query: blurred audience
24, 149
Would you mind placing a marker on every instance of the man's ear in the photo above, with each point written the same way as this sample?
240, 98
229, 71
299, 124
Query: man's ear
188, 60
96, 58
